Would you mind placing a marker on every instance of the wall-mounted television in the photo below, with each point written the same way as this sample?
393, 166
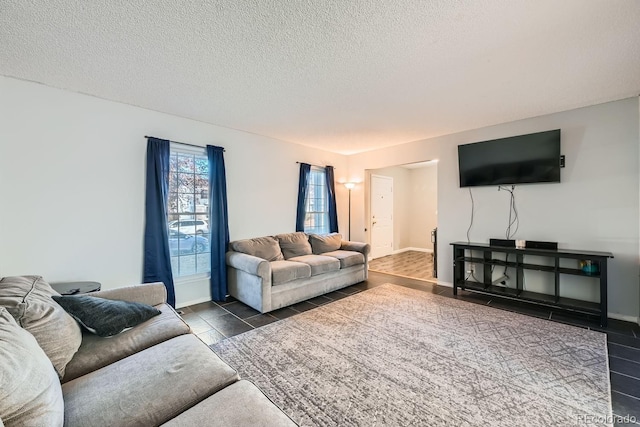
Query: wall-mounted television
523, 159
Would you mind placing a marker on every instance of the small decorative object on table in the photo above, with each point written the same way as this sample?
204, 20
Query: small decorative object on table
75, 288
589, 267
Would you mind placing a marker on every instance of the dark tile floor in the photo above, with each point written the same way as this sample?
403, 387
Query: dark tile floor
213, 322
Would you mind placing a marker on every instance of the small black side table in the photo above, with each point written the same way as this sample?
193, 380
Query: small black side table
75, 288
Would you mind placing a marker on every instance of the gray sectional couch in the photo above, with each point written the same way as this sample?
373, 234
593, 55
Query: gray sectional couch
157, 373
271, 272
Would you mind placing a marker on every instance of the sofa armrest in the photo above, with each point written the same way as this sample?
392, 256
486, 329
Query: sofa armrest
146, 293
249, 264
363, 248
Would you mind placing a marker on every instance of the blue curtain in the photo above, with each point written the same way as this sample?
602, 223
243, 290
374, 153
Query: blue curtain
331, 190
218, 222
305, 170
157, 261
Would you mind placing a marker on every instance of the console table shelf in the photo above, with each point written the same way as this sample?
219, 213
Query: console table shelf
488, 286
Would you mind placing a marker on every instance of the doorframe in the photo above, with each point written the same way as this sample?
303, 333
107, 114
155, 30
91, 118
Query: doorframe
369, 219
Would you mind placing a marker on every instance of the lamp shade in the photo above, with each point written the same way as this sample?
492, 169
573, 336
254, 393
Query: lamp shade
349, 185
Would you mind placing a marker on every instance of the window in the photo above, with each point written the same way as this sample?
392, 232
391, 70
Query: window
188, 212
316, 204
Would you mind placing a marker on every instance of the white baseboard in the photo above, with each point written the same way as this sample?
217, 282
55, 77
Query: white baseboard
193, 302
398, 251
623, 317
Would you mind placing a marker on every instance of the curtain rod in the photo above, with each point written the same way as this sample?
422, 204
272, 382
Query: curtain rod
182, 143
316, 165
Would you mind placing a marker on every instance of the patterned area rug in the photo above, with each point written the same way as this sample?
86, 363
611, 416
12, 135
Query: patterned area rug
398, 357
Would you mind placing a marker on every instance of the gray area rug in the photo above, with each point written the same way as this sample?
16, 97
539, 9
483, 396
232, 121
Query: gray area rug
398, 357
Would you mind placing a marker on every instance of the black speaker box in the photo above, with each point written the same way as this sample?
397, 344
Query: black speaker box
532, 244
505, 243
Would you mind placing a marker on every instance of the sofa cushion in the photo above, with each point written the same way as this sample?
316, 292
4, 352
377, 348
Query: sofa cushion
347, 258
28, 300
105, 317
321, 243
294, 244
286, 271
148, 388
239, 405
319, 264
97, 352
30, 394
261, 247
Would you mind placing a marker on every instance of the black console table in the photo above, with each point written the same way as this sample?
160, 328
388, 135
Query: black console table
487, 286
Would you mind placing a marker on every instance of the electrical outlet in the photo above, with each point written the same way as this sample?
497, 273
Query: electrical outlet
471, 269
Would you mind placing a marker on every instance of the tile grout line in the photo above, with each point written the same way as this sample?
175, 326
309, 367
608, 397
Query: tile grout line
625, 394
623, 345
627, 376
625, 359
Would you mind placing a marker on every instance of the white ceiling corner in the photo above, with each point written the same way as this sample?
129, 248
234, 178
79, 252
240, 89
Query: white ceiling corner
342, 75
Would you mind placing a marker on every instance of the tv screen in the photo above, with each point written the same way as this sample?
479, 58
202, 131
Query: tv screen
522, 159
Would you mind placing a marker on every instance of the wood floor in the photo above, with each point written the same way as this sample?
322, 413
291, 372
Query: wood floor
411, 264
213, 322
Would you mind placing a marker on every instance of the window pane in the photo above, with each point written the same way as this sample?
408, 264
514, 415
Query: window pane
316, 204
173, 162
186, 203
203, 263
185, 183
202, 165
188, 216
173, 204
173, 182
186, 163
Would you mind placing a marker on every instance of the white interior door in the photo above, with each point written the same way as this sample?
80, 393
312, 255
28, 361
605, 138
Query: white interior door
381, 216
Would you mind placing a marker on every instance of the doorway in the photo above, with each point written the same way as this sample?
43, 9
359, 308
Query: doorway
401, 209
381, 216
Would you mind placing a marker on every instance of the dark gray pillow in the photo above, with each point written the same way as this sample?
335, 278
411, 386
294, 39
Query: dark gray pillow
105, 317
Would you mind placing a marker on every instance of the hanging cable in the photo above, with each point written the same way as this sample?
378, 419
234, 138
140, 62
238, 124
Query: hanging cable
513, 212
513, 220
470, 222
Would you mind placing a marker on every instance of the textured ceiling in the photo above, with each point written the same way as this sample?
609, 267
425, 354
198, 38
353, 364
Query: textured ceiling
342, 75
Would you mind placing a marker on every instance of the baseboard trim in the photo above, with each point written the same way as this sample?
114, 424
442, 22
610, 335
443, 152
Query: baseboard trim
446, 284
399, 251
623, 317
192, 302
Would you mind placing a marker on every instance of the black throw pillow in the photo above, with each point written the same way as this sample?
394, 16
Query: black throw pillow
105, 317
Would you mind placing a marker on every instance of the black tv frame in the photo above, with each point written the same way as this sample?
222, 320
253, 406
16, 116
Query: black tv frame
517, 160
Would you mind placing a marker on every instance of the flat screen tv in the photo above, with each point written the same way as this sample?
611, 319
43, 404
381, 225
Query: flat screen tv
523, 159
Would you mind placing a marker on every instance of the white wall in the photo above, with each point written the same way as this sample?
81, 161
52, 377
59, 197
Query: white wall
72, 171
423, 207
596, 207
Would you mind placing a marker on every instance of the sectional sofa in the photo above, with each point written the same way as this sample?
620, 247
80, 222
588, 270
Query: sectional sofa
271, 272
157, 373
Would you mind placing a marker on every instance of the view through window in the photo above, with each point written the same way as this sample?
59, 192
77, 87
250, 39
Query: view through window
188, 212
316, 204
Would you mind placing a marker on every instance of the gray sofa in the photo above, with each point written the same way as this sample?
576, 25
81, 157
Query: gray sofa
156, 373
271, 272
